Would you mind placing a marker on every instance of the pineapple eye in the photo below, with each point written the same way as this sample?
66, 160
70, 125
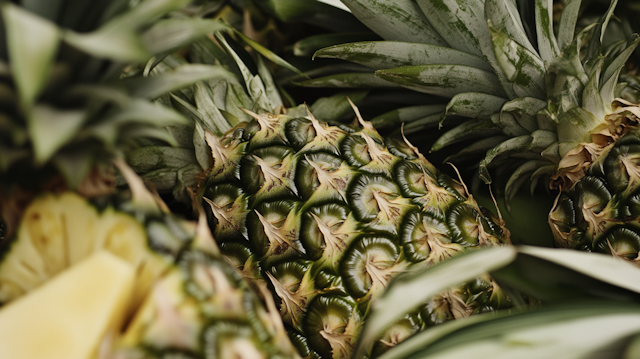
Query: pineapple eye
299, 132
369, 265
333, 322
417, 230
320, 242
621, 242
307, 180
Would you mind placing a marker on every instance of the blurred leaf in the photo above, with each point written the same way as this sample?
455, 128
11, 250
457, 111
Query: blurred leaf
408, 291
154, 86
171, 34
32, 43
50, 128
348, 80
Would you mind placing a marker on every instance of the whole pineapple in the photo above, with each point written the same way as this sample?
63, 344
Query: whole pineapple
325, 215
542, 106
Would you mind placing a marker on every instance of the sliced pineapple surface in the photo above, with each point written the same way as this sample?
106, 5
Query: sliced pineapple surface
69, 316
58, 231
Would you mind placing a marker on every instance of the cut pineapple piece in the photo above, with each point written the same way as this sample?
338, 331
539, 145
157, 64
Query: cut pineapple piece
70, 315
58, 231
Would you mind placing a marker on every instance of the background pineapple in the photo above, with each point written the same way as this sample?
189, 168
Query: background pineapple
542, 103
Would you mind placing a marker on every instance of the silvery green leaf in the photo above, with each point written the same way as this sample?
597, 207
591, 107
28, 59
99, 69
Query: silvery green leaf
32, 43
212, 119
469, 129
523, 68
474, 105
478, 148
537, 336
390, 54
526, 111
520, 176
458, 22
512, 145
349, 80
405, 115
614, 67
508, 123
591, 100
547, 44
244, 70
504, 16
202, 150
413, 288
444, 80
309, 45
337, 106
398, 20
236, 100
568, 21
271, 91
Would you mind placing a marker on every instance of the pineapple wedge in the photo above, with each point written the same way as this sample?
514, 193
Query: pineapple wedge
69, 316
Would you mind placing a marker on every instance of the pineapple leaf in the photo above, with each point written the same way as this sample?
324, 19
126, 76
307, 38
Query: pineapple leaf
600, 267
399, 20
470, 129
473, 105
444, 80
531, 334
459, 22
547, 45
171, 34
50, 128
614, 67
348, 80
32, 43
270, 55
406, 115
523, 68
334, 108
415, 287
211, 117
154, 86
389, 54
504, 15
521, 175
568, 22
514, 144
310, 45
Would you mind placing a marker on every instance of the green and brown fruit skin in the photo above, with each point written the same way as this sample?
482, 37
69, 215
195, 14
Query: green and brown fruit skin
601, 212
329, 215
187, 302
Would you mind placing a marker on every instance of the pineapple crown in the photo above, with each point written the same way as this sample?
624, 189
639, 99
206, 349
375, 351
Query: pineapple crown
532, 94
69, 109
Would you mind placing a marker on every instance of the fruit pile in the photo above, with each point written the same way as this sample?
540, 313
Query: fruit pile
179, 180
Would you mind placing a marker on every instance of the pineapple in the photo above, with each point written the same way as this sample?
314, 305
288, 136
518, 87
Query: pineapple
62, 133
325, 215
183, 299
541, 106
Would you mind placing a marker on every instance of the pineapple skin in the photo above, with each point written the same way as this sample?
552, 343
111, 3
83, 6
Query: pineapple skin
601, 212
328, 215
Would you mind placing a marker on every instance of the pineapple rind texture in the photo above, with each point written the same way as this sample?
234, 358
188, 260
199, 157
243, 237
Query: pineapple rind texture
601, 212
186, 300
331, 216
